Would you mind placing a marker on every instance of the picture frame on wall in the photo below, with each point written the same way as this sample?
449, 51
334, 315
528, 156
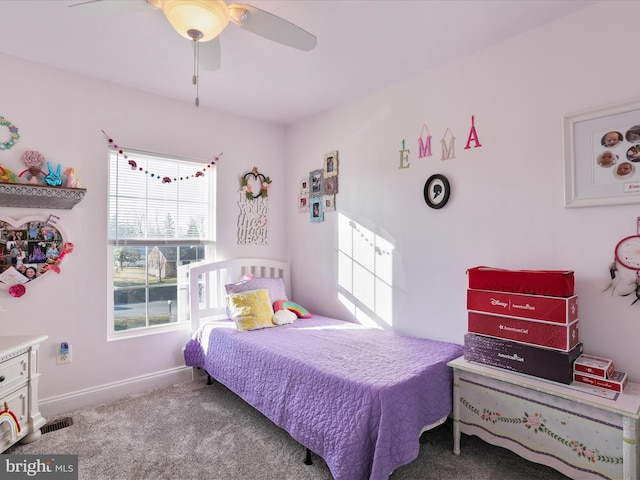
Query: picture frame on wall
602, 156
316, 212
330, 185
331, 164
303, 203
304, 185
329, 203
316, 181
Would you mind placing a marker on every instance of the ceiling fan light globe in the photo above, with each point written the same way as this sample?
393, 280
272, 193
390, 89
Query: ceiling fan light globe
207, 16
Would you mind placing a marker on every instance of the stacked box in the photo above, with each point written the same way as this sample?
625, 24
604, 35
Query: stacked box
531, 332
599, 372
518, 357
562, 310
524, 321
552, 283
616, 382
594, 366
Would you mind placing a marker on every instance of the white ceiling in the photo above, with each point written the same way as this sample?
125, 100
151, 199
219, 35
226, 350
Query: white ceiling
363, 46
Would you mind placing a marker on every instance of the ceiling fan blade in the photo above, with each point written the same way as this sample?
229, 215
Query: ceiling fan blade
210, 55
272, 27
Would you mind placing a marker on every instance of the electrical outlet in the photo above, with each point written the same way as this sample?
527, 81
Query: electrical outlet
64, 354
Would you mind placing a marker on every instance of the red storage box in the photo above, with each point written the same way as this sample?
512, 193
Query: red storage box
522, 358
617, 382
554, 283
594, 366
535, 307
532, 332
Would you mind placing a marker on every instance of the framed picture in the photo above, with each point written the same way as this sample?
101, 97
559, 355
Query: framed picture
304, 185
316, 183
303, 203
316, 211
329, 203
330, 185
437, 191
331, 164
602, 156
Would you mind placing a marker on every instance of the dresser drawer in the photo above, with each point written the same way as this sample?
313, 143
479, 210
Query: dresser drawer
13, 372
18, 404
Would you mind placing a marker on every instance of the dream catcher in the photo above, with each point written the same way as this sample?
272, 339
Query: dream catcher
627, 255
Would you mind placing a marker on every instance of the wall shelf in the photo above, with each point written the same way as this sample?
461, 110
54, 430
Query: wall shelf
39, 196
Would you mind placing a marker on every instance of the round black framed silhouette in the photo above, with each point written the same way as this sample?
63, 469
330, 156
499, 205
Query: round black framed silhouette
437, 191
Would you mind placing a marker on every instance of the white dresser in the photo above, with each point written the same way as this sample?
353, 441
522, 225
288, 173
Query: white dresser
19, 374
579, 434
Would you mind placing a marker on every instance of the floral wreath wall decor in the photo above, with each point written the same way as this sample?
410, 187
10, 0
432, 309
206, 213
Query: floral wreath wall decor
254, 208
14, 135
29, 248
317, 191
248, 188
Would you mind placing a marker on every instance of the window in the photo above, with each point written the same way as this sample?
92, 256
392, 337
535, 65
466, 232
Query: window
161, 216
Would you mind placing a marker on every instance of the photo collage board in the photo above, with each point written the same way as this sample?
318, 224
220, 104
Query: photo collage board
27, 250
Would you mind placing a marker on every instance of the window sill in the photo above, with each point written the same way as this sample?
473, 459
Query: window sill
146, 331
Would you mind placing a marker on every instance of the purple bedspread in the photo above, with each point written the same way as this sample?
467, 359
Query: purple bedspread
356, 396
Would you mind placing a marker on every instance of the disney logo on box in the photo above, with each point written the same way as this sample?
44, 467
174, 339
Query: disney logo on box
495, 302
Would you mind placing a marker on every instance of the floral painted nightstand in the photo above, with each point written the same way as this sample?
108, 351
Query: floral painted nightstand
580, 434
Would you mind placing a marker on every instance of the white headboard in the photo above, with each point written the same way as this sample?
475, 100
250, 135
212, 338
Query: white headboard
206, 281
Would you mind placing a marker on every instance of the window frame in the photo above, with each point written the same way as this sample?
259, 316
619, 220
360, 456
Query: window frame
208, 243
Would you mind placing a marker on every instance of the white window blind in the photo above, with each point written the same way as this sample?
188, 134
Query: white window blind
144, 207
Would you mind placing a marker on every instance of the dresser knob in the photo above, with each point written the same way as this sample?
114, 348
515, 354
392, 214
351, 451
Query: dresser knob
1, 378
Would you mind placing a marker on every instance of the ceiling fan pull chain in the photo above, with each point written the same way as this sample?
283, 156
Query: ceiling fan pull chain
196, 35
196, 69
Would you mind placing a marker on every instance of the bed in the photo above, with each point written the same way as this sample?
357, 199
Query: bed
358, 397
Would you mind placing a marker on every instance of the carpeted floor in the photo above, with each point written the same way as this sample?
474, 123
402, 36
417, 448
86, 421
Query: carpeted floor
195, 431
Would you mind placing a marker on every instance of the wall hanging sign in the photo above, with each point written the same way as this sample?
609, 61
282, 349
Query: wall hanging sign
254, 208
447, 144
602, 156
30, 248
436, 191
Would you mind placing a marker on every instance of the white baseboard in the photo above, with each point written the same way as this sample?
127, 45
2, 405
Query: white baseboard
53, 406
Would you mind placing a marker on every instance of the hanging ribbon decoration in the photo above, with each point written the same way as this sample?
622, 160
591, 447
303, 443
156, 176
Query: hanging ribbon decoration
163, 178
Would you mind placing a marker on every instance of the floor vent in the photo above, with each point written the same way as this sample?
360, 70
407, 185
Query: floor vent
57, 425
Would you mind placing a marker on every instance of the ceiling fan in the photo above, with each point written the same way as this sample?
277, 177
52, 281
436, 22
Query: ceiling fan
202, 21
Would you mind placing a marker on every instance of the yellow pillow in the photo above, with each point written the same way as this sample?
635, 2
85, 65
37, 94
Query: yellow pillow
251, 309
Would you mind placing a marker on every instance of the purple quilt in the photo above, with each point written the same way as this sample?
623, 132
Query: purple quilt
358, 397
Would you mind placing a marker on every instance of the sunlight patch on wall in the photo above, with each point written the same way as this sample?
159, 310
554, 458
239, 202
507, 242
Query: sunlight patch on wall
365, 272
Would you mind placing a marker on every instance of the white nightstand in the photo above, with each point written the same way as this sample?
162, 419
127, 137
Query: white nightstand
579, 434
19, 373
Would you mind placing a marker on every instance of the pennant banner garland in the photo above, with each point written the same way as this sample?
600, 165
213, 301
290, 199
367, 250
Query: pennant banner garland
163, 178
